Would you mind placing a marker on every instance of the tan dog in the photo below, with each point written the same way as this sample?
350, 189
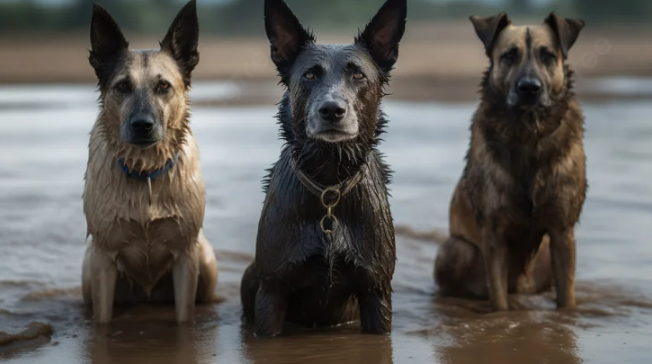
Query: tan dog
144, 196
514, 210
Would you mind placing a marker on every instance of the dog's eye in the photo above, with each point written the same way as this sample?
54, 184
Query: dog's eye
548, 57
163, 86
123, 87
359, 76
510, 57
309, 76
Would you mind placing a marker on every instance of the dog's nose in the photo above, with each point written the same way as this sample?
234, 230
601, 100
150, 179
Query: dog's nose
142, 124
529, 86
333, 111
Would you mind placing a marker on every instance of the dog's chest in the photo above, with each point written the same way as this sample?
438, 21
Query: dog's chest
290, 233
356, 228
525, 214
146, 251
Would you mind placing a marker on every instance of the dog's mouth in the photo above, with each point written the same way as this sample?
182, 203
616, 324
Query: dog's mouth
334, 135
527, 101
530, 102
528, 106
144, 143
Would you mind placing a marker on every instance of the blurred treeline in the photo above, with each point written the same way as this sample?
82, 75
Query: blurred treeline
236, 17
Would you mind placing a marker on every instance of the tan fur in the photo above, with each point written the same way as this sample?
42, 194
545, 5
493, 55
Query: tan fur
173, 107
513, 212
464, 229
128, 236
461, 220
514, 37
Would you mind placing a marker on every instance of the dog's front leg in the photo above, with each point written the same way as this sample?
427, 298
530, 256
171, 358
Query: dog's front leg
207, 270
104, 273
271, 308
185, 276
376, 309
562, 248
495, 256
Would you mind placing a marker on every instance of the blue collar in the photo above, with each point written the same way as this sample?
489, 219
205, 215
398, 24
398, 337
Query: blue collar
144, 175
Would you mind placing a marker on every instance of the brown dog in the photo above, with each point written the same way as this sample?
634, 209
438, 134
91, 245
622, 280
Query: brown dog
514, 210
144, 197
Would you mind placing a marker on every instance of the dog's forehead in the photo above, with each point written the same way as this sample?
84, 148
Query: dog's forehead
144, 65
334, 56
519, 35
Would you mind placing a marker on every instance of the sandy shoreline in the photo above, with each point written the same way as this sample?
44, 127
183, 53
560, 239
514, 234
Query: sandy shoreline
442, 62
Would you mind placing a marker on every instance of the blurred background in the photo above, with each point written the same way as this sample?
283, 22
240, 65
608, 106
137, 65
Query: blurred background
48, 104
46, 41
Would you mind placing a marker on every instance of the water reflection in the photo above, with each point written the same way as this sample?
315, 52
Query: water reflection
322, 346
42, 229
516, 337
152, 337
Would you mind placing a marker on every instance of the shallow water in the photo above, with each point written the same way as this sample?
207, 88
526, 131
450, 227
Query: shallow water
43, 153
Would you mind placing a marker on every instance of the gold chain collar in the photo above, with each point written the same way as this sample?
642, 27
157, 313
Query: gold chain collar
336, 191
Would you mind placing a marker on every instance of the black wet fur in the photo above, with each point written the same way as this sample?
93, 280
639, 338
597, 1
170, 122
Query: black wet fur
301, 274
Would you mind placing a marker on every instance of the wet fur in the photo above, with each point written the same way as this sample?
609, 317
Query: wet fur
514, 210
137, 252
300, 274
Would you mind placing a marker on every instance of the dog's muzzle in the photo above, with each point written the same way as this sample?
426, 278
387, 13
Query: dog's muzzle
332, 121
333, 111
529, 90
142, 130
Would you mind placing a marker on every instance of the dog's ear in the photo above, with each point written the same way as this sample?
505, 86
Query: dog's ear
383, 34
107, 42
488, 28
285, 33
566, 30
182, 39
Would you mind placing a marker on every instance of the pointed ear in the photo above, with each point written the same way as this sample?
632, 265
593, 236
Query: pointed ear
107, 42
182, 39
383, 34
566, 30
488, 28
285, 33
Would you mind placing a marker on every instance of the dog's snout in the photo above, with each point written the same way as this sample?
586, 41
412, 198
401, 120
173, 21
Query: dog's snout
333, 111
529, 86
332, 120
142, 129
142, 124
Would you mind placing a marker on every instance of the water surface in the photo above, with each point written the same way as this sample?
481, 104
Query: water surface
43, 152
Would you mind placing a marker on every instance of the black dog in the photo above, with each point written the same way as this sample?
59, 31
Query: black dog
325, 241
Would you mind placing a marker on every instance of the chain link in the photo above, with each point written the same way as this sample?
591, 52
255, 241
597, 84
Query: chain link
329, 209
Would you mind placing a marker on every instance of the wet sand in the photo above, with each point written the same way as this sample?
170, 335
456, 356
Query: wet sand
43, 151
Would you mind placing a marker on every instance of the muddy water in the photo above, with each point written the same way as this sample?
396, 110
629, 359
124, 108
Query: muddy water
42, 230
